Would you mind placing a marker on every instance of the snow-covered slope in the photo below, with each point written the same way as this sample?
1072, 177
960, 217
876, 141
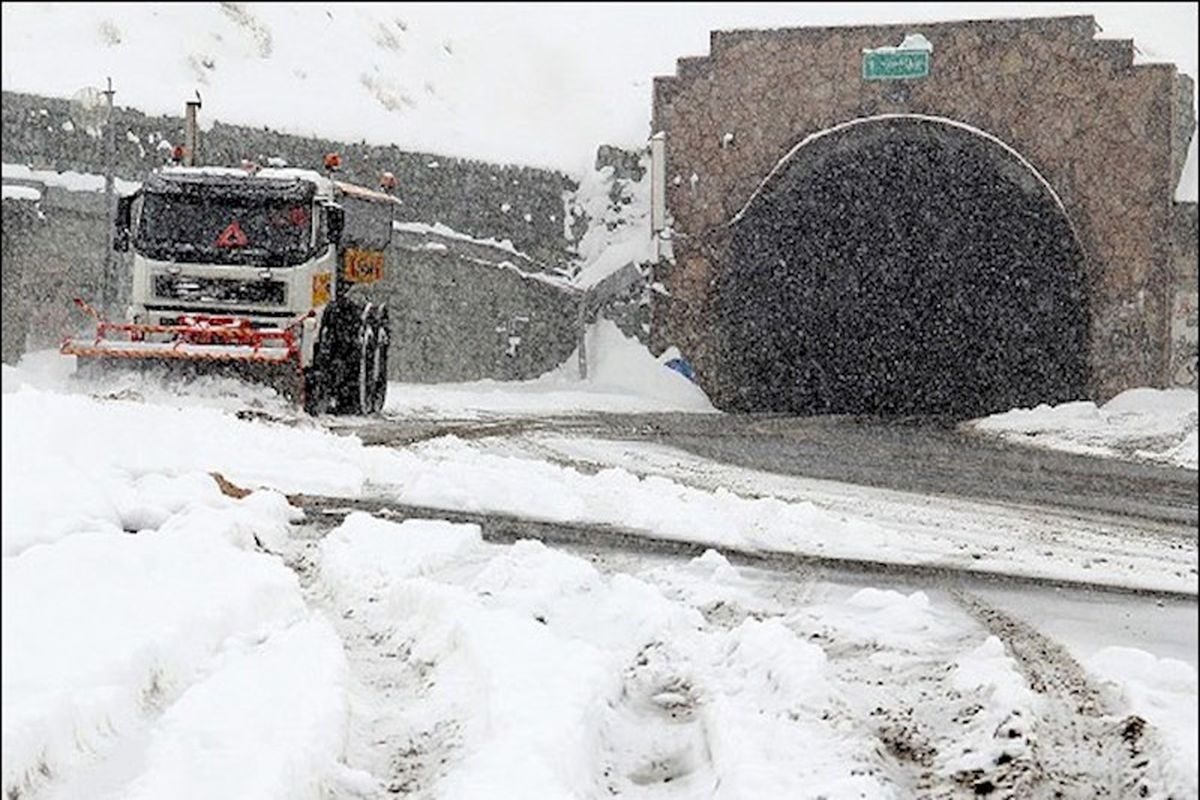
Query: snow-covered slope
540, 85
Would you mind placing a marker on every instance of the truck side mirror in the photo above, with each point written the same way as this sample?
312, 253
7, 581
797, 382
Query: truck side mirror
123, 223
335, 223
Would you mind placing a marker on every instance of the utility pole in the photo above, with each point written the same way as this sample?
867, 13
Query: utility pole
582, 326
109, 285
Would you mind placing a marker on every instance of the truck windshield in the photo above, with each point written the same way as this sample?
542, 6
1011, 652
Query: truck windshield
225, 230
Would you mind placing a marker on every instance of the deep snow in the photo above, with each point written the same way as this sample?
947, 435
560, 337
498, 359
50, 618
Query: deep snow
155, 644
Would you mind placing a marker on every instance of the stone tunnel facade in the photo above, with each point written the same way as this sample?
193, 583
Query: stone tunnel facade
834, 236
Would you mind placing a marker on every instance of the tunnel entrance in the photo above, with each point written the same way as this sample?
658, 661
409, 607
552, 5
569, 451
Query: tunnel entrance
901, 265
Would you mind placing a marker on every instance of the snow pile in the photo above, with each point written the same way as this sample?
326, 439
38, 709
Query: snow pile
561, 682
617, 364
103, 631
268, 722
973, 716
115, 465
622, 378
1163, 691
149, 650
1155, 425
618, 213
1004, 724
373, 555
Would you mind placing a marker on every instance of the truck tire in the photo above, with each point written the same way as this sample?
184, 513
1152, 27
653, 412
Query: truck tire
357, 358
316, 391
320, 379
364, 381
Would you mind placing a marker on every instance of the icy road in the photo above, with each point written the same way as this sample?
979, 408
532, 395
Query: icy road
486, 604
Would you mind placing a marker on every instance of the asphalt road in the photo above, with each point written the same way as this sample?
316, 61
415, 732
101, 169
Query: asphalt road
930, 457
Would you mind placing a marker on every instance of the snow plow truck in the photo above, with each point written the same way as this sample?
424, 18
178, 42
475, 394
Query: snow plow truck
255, 271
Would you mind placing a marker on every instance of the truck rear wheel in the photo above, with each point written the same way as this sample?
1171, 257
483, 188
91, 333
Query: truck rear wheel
364, 384
358, 357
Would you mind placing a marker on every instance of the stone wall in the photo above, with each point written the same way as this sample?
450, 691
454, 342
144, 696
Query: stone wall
522, 204
1105, 134
20, 220
59, 255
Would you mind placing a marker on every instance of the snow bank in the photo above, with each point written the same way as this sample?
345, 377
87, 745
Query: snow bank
268, 723
74, 462
448, 473
1164, 692
102, 625
622, 378
147, 646
1156, 425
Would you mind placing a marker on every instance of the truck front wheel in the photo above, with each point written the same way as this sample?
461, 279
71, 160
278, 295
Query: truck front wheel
320, 379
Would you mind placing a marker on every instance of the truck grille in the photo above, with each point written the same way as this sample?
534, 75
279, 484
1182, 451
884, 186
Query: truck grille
223, 291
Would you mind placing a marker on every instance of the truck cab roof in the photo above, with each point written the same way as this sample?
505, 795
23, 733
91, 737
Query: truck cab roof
284, 183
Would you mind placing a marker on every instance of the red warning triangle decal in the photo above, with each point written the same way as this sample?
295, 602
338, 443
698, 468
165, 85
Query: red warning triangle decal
232, 236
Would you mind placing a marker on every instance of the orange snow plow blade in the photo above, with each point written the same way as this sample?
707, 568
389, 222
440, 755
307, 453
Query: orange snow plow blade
105, 348
196, 338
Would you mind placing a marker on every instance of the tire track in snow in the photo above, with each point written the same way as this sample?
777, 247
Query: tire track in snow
1081, 749
649, 718
935, 737
384, 756
900, 680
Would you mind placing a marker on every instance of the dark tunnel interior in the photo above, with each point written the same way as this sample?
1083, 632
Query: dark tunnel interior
901, 266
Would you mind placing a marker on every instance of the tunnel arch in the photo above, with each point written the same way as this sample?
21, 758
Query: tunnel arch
901, 264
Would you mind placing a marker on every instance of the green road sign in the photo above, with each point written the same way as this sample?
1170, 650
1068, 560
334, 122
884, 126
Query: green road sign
887, 65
